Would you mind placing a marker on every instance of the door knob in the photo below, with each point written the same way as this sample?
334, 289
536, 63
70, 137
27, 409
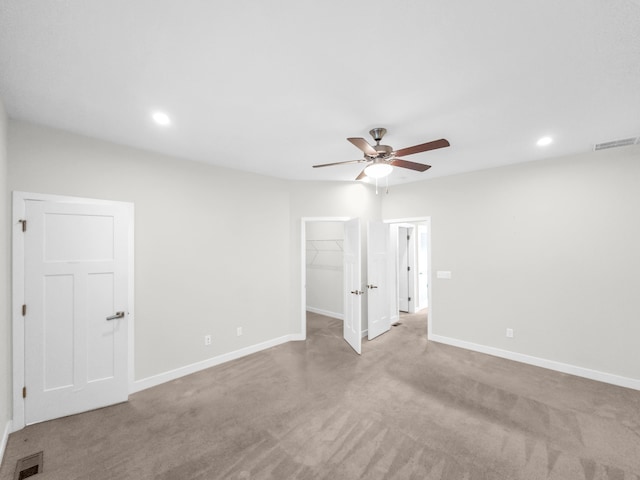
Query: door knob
356, 292
117, 315
372, 286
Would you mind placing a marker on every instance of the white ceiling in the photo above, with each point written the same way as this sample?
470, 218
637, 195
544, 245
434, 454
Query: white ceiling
276, 86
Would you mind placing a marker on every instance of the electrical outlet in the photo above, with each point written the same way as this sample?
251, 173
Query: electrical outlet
207, 339
509, 332
239, 331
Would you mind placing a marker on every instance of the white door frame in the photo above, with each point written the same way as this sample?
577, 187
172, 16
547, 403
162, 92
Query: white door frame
427, 222
17, 298
303, 267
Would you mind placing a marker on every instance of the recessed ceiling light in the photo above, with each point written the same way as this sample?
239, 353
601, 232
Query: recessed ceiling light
544, 141
161, 118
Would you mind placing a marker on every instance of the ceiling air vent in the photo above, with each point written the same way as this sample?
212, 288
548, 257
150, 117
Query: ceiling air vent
616, 143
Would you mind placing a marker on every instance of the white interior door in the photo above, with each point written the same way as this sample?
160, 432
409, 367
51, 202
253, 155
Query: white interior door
352, 328
75, 279
423, 279
379, 289
403, 269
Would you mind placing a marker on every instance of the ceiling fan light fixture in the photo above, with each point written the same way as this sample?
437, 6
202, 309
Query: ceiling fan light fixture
378, 170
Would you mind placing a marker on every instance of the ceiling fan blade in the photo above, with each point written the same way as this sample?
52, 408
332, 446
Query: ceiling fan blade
420, 167
339, 163
424, 147
362, 175
362, 144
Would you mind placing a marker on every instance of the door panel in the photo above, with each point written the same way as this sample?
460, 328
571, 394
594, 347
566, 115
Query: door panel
100, 336
423, 292
75, 277
352, 328
58, 331
93, 234
378, 285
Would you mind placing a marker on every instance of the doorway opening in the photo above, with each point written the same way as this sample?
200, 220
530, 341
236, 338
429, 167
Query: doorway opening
322, 242
351, 273
410, 240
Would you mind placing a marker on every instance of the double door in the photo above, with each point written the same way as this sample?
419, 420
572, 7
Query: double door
377, 290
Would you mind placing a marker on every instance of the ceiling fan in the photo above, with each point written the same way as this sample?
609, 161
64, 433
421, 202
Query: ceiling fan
382, 158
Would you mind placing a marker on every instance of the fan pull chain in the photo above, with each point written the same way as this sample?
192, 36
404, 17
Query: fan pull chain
386, 188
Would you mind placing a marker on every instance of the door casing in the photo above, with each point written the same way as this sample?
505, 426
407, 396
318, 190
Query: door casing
18, 294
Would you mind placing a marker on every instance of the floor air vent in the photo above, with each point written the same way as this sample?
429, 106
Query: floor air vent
29, 466
616, 143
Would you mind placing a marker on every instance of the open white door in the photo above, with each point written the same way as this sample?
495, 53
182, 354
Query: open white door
379, 289
352, 328
423, 279
403, 269
76, 298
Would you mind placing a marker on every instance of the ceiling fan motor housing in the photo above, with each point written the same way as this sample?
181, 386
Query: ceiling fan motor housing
383, 150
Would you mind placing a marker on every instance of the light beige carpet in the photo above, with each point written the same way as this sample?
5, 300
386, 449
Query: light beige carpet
405, 409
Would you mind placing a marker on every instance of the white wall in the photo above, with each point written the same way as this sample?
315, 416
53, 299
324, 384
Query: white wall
5, 304
548, 248
325, 258
211, 244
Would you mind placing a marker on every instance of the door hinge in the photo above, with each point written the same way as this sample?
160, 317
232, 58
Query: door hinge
409, 298
408, 237
24, 225
408, 269
24, 392
24, 310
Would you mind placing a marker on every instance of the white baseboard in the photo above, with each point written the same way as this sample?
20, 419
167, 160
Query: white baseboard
161, 378
326, 313
5, 438
365, 333
541, 362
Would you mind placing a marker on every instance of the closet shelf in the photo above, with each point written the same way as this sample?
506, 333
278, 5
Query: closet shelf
325, 253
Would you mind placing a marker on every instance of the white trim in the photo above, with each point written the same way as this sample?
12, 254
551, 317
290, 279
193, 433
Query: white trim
17, 300
326, 313
161, 378
541, 362
365, 333
17, 282
5, 438
132, 298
